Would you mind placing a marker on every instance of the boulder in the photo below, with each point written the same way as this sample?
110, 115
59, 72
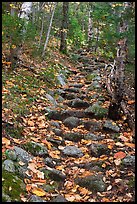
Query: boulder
111, 126
71, 122
72, 151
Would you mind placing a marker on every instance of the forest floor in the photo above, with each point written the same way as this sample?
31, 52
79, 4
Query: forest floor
57, 140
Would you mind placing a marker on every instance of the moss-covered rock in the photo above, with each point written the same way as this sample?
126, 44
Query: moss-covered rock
36, 149
90, 77
12, 187
96, 110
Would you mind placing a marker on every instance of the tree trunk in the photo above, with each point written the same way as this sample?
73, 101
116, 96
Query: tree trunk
64, 27
49, 29
118, 75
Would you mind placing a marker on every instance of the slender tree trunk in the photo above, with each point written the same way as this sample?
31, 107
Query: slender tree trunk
49, 29
64, 27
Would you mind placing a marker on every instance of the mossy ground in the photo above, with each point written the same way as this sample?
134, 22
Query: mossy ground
12, 186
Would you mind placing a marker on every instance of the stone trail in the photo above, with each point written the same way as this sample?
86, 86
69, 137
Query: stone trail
81, 128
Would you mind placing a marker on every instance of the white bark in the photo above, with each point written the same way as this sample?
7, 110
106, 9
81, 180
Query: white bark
26, 9
49, 29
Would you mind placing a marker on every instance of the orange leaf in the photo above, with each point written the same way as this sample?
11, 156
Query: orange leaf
119, 155
130, 144
131, 102
5, 141
30, 123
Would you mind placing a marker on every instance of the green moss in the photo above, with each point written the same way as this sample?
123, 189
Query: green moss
32, 148
12, 187
14, 132
131, 182
90, 77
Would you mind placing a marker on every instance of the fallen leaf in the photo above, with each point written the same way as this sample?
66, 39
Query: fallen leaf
119, 155
109, 188
70, 198
40, 174
38, 191
130, 144
117, 162
32, 167
119, 144
131, 102
30, 123
5, 141
21, 163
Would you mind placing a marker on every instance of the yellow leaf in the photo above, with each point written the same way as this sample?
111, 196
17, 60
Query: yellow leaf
5, 141
38, 191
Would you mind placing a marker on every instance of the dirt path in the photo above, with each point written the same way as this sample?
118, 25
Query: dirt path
87, 156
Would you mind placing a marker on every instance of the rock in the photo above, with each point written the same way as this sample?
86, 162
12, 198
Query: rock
75, 90
17, 186
22, 172
111, 126
96, 150
36, 149
57, 175
72, 151
54, 174
49, 162
8, 165
51, 100
58, 132
60, 99
11, 154
77, 85
35, 198
95, 85
93, 183
78, 103
68, 96
91, 136
54, 123
22, 155
54, 114
59, 199
129, 161
97, 78
71, 122
73, 136
96, 110
92, 125
61, 79
76, 113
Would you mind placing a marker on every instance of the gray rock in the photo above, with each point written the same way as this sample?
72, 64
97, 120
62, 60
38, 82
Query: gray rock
77, 85
57, 175
36, 149
71, 122
55, 115
59, 199
58, 132
68, 96
96, 110
110, 126
22, 172
48, 161
91, 136
61, 79
92, 125
129, 161
72, 151
97, 150
75, 90
51, 100
8, 165
73, 136
78, 103
11, 154
54, 123
35, 198
60, 99
22, 155
93, 183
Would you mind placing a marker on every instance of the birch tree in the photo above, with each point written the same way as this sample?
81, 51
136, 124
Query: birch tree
49, 29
